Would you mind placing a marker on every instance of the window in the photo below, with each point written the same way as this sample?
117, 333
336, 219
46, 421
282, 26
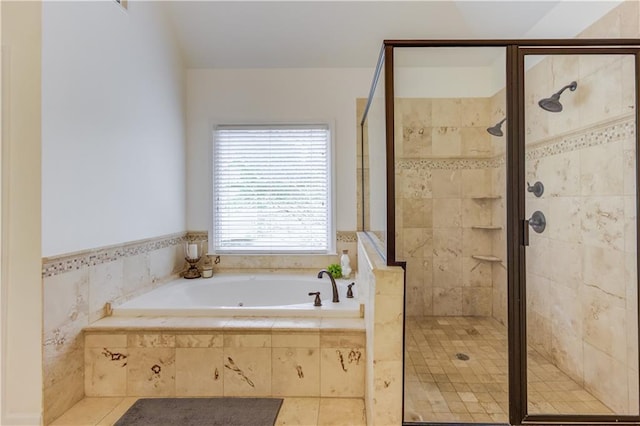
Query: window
272, 189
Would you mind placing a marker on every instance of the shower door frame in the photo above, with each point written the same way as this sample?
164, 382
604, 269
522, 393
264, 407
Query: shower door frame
516, 216
515, 51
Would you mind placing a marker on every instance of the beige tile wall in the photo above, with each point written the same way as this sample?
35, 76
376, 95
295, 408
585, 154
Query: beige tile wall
382, 290
581, 272
76, 288
499, 210
225, 363
444, 162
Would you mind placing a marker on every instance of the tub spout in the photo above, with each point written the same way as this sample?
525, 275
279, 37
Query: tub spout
334, 287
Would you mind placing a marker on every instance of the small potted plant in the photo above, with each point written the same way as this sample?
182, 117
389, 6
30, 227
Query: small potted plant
335, 270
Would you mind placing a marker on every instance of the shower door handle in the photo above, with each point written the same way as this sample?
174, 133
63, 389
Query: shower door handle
525, 232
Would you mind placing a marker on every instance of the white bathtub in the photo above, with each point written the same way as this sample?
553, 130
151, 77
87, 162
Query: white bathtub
244, 295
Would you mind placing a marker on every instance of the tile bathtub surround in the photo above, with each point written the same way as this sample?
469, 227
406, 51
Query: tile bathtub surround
78, 285
222, 362
76, 288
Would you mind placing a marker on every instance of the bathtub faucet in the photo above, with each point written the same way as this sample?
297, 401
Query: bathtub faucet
334, 287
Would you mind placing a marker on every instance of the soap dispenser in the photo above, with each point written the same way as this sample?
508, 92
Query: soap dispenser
345, 264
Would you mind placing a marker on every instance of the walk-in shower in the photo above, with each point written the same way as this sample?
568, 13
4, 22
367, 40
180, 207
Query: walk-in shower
521, 300
552, 104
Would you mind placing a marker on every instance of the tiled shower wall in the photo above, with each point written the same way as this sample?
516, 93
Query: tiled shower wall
76, 288
445, 172
581, 272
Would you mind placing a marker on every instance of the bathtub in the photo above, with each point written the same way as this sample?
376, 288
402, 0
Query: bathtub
278, 295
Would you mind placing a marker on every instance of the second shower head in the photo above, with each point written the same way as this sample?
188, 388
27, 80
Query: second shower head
552, 104
496, 130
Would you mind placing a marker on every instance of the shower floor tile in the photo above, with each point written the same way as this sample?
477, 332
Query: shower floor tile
442, 386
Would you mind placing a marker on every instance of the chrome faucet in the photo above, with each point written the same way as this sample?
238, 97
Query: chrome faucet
334, 287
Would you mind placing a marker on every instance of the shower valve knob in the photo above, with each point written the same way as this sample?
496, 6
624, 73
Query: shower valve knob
537, 188
537, 222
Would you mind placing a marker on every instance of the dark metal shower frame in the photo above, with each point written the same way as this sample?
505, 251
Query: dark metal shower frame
516, 50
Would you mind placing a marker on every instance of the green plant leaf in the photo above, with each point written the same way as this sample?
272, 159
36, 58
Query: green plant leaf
335, 270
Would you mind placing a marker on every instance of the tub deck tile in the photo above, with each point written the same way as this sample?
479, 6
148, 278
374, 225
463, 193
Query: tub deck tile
128, 324
252, 323
342, 324
297, 324
116, 323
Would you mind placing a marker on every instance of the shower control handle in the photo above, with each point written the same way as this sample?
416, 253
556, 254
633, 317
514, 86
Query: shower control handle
317, 301
537, 222
537, 188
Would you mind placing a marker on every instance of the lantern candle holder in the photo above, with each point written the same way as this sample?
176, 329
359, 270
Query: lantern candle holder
192, 254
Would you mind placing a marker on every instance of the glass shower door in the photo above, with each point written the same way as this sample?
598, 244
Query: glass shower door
580, 234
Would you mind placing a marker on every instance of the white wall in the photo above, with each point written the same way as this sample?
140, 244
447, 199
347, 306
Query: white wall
113, 142
272, 95
450, 82
21, 280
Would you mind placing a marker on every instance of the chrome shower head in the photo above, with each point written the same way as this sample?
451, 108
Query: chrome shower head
496, 130
553, 104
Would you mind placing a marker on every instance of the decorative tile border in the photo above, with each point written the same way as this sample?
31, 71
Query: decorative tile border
450, 164
599, 134
70, 262
197, 236
347, 236
341, 236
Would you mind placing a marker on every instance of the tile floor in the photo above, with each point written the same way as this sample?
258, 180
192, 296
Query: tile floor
294, 411
441, 387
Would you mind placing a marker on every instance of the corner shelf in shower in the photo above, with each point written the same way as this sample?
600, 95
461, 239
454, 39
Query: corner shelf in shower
486, 258
487, 227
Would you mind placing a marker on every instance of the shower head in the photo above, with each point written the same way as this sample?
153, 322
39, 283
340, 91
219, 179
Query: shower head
553, 104
496, 130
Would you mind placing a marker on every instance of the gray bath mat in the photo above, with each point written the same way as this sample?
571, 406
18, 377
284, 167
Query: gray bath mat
202, 412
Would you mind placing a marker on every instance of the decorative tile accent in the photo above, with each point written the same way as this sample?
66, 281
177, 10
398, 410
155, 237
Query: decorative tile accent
60, 264
52, 266
601, 134
450, 164
197, 236
341, 236
346, 237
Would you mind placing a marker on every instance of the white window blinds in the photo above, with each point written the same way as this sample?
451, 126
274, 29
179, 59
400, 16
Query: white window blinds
272, 189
